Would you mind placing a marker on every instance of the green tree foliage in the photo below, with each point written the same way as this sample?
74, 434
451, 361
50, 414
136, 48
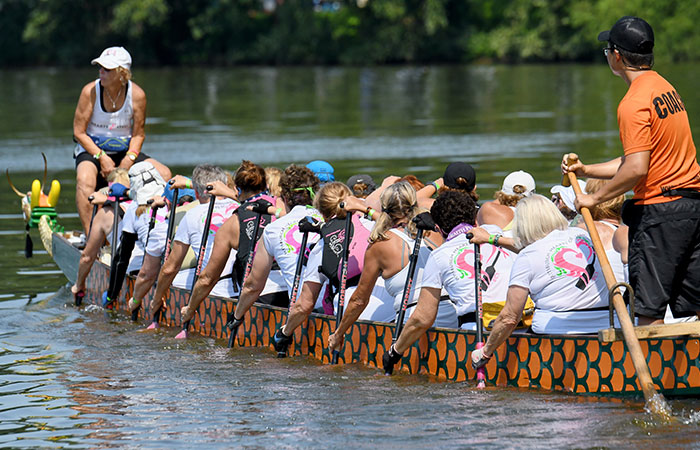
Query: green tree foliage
227, 32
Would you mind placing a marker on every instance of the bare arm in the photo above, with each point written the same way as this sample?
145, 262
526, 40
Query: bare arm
508, 319
633, 168
360, 298
100, 228
146, 277
83, 113
604, 170
421, 319
255, 283
224, 241
138, 132
302, 307
167, 274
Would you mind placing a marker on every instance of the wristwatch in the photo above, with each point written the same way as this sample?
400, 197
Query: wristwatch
132, 156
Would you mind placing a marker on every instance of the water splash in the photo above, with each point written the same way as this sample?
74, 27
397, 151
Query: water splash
658, 405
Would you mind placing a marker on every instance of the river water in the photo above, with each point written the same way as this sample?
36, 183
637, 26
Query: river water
84, 378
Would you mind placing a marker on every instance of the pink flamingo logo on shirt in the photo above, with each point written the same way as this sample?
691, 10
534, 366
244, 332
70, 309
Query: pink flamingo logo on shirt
577, 263
463, 263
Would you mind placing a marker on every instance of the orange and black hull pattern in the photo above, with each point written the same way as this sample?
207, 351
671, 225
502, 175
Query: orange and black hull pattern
577, 364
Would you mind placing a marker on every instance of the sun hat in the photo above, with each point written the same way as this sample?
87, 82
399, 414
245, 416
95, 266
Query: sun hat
519, 178
567, 193
362, 178
323, 170
632, 34
114, 57
457, 170
145, 182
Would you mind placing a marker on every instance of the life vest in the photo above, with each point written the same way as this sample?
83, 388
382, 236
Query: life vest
246, 223
333, 234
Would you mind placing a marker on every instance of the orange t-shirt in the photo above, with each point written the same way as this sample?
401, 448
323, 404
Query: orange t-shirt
652, 118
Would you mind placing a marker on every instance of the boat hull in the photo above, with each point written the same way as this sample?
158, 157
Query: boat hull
578, 364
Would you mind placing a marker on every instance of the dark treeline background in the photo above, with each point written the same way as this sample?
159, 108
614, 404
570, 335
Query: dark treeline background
229, 32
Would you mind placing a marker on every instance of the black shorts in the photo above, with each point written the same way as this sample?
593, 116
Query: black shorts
664, 256
115, 156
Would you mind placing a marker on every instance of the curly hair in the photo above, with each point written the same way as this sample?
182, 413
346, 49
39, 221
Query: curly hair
511, 200
294, 183
453, 207
250, 177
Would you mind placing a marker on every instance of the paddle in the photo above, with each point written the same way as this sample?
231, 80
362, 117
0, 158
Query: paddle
424, 222
481, 371
151, 225
92, 217
118, 191
654, 400
343, 277
231, 320
200, 258
168, 241
306, 226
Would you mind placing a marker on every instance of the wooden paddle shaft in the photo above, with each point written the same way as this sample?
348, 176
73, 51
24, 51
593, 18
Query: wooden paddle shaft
638, 360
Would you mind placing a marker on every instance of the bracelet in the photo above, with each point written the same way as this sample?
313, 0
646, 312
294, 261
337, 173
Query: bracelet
495, 241
368, 211
491, 238
277, 212
136, 302
435, 185
99, 155
188, 184
371, 212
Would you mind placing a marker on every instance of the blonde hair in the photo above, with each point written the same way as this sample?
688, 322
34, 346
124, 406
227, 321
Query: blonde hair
272, 177
124, 74
142, 209
328, 200
399, 204
536, 217
612, 209
119, 175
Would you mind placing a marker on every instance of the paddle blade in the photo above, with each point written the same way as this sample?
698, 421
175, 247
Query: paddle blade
153, 326
334, 359
181, 335
135, 315
231, 339
28, 246
480, 372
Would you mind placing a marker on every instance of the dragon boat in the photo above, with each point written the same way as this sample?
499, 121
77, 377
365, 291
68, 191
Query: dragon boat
581, 364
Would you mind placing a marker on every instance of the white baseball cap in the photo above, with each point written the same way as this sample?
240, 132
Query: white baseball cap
114, 57
567, 193
518, 178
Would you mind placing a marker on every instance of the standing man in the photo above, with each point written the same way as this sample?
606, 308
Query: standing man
659, 164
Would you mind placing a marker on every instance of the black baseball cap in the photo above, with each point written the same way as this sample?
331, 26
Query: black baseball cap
632, 34
457, 170
364, 179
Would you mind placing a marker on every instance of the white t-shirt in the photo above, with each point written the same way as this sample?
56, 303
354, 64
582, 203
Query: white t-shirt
138, 226
452, 266
190, 231
447, 311
564, 278
381, 305
282, 240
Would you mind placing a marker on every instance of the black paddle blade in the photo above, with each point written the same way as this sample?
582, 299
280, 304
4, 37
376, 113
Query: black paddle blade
28, 246
231, 338
135, 315
336, 354
78, 298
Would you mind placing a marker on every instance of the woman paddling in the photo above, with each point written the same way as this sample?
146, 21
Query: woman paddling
391, 243
237, 234
108, 127
189, 234
281, 239
500, 212
451, 266
558, 268
325, 259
